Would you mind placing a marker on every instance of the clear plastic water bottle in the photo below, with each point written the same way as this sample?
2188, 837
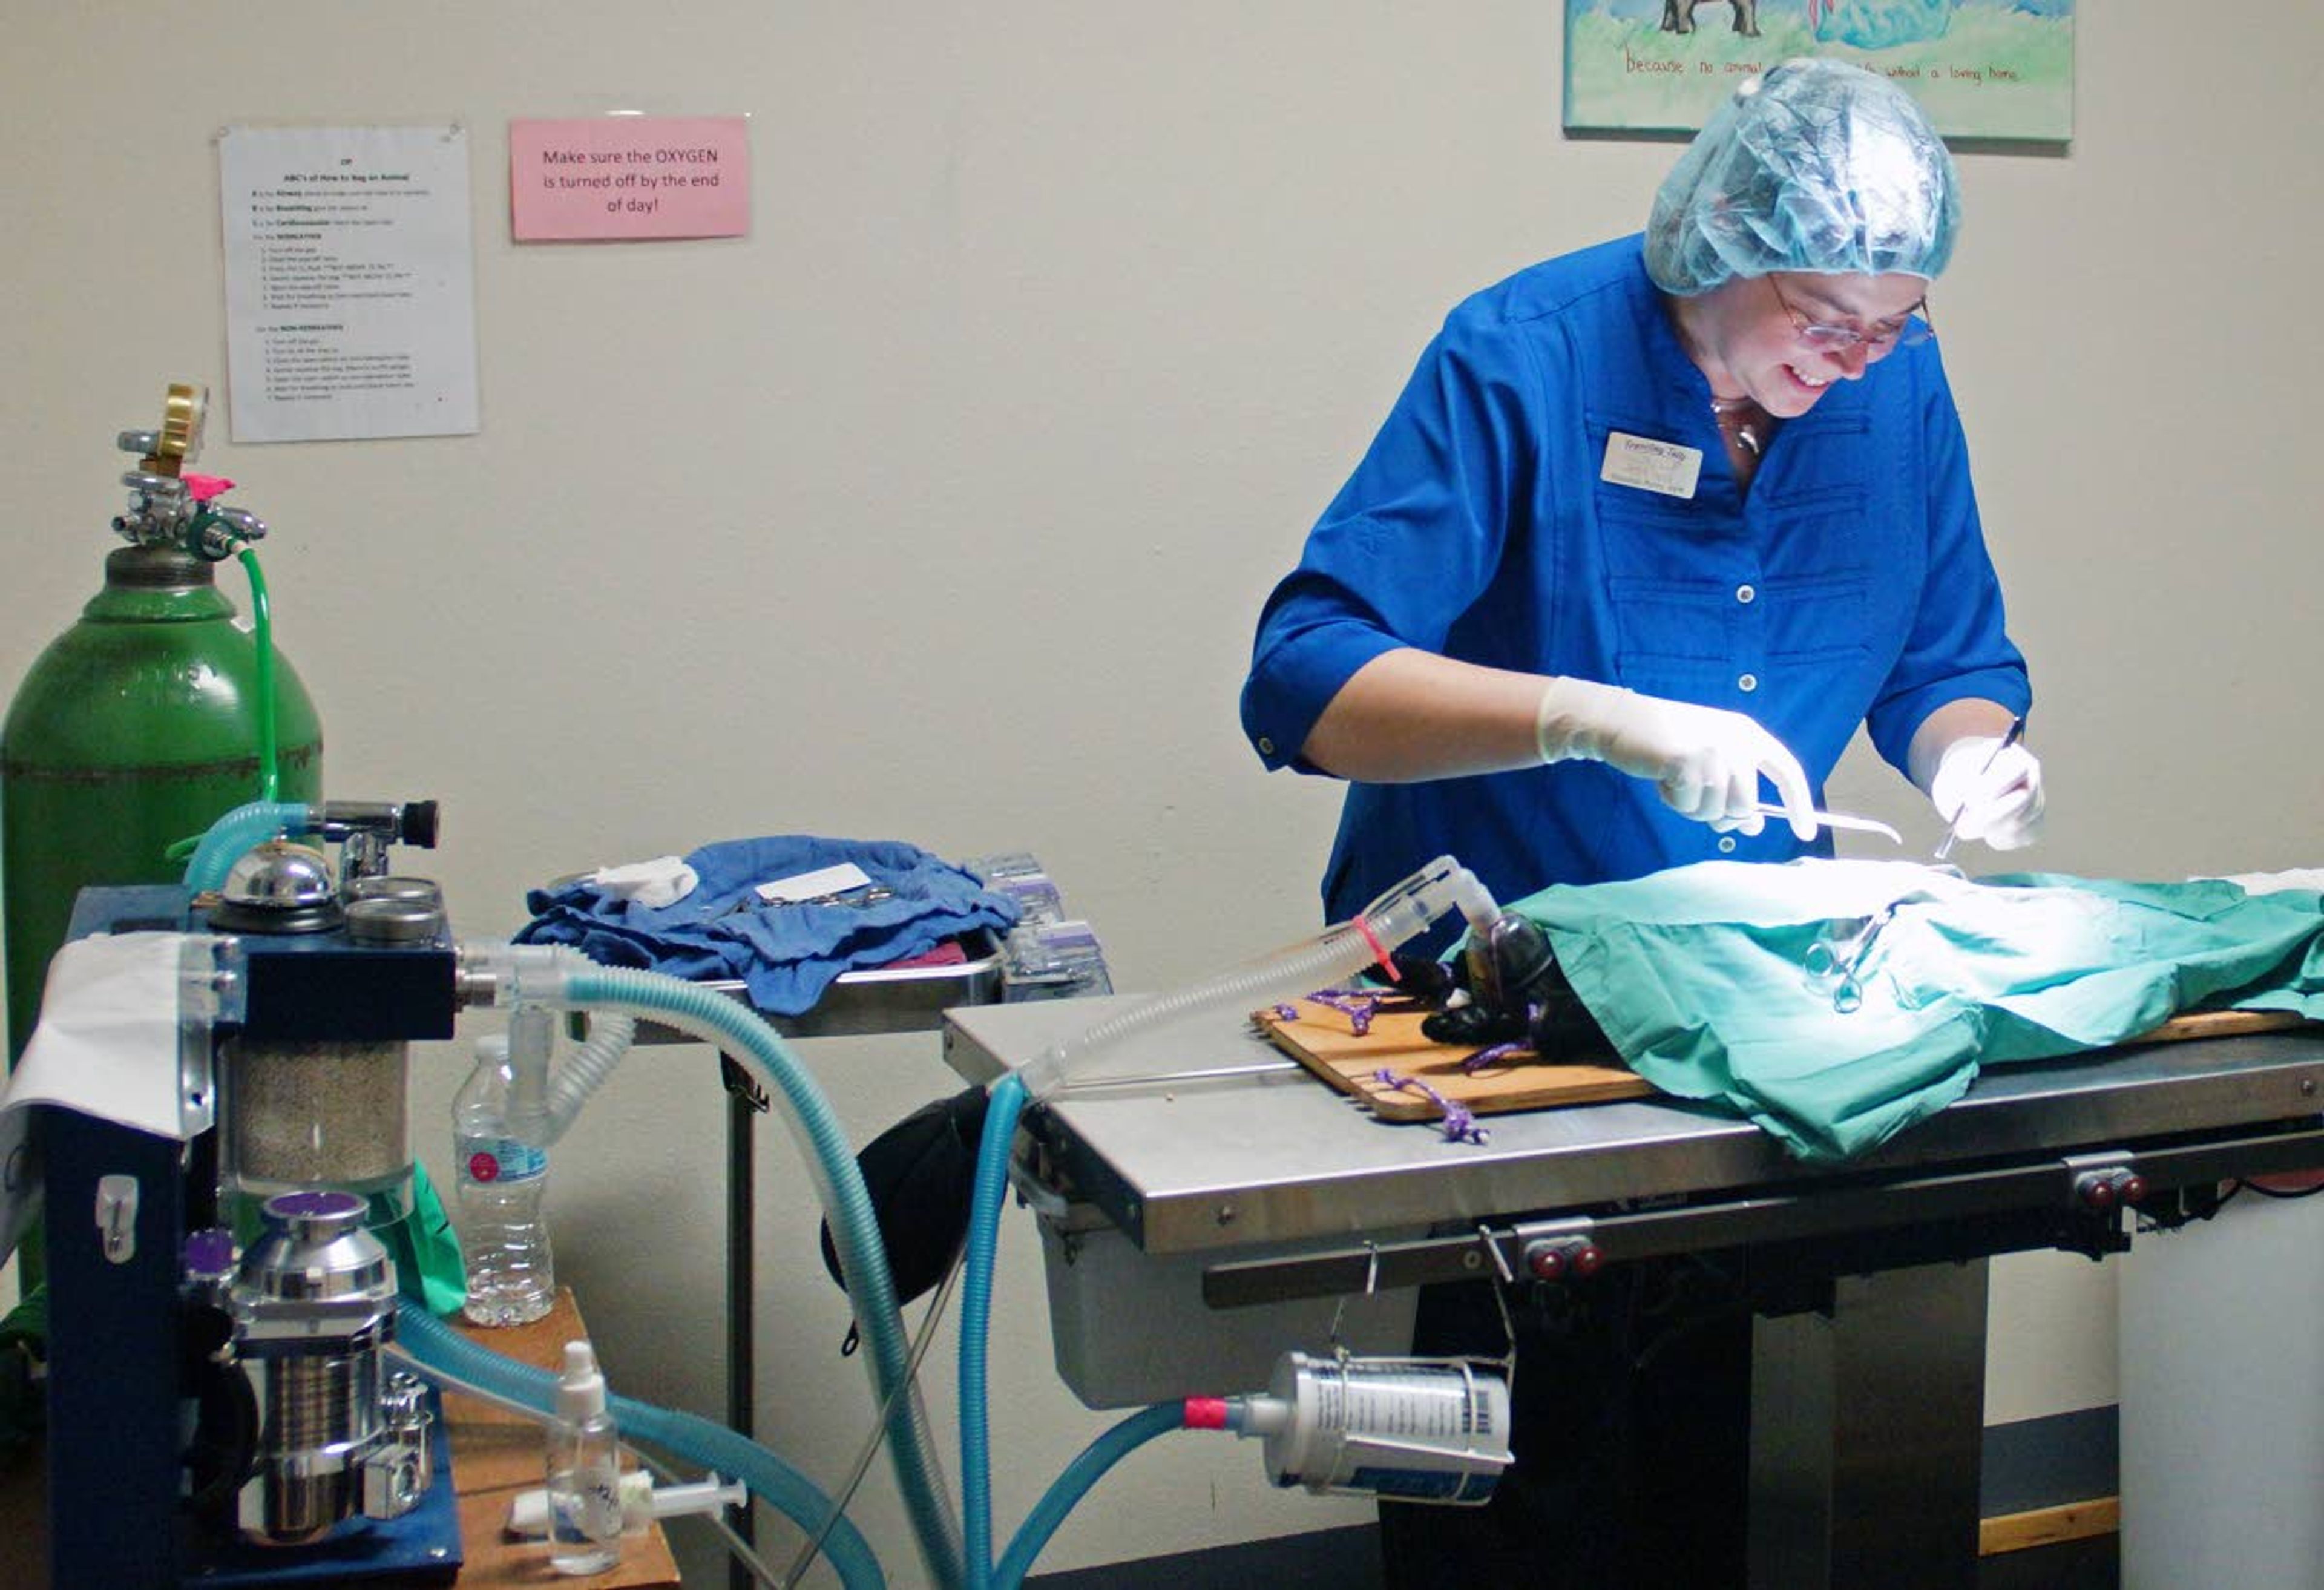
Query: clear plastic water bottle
504, 1176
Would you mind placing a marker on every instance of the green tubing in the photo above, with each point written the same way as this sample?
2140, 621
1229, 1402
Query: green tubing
262, 630
232, 834
855, 1228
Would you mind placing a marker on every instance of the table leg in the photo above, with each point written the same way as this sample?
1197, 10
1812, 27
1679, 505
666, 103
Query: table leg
1868, 1426
744, 1101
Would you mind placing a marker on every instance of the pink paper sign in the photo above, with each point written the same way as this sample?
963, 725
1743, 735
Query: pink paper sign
630, 176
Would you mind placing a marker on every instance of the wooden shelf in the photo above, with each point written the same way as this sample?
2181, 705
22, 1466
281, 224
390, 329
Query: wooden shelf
496, 1454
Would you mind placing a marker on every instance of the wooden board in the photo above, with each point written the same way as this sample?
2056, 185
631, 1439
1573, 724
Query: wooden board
2220, 1024
1323, 1040
2050, 1526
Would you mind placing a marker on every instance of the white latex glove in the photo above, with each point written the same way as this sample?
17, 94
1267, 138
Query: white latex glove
1706, 761
1997, 797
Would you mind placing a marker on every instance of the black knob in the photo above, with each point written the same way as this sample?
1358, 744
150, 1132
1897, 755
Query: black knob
418, 818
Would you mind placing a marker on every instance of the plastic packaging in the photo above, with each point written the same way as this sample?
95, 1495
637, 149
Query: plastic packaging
584, 1471
1050, 955
504, 1178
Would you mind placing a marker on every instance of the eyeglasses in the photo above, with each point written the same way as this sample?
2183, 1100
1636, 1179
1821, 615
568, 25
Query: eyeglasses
1904, 332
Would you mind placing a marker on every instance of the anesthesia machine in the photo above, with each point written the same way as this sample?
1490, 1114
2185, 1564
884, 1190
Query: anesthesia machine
220, 1304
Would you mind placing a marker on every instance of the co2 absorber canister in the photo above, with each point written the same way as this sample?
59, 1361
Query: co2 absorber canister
1415, 1430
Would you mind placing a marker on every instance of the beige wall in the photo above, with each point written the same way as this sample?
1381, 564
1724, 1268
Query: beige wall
941, 507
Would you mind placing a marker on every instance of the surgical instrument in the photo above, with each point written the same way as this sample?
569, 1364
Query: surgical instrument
1838, 819
1953, 830
1845, 961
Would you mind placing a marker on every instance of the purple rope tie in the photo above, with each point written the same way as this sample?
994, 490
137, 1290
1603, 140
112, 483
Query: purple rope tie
1460, 1123
1358, 1008
1493, 1054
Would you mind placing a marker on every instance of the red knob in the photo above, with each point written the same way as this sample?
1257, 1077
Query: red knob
1570, 1258
2132, 1188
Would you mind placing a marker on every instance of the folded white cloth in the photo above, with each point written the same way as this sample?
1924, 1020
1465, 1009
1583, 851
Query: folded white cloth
664, 880
107, 1046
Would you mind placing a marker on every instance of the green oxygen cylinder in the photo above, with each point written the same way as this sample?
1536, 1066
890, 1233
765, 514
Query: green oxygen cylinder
138, 726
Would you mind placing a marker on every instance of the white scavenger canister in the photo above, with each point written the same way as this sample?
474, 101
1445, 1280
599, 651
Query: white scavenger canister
1413, 1428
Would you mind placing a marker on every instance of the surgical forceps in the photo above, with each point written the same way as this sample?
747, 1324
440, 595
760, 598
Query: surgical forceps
1846, 960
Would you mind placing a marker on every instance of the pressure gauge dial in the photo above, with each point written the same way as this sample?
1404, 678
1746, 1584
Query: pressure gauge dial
181, 436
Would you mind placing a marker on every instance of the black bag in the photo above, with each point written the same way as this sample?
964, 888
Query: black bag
921, 1174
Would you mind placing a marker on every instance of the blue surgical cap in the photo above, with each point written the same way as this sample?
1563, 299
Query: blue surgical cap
1817, 166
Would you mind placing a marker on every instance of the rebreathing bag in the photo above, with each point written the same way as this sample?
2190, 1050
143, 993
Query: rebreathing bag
921, 1175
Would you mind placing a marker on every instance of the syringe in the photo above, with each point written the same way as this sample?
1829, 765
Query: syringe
642, 1502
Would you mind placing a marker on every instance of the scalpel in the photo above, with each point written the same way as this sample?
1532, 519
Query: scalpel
1953, 830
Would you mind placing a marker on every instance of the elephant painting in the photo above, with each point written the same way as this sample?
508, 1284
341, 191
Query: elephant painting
1678, 16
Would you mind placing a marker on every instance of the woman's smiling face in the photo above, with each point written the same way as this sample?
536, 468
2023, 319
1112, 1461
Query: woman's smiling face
1751, 337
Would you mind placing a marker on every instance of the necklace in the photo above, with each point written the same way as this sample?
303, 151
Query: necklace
1740, 421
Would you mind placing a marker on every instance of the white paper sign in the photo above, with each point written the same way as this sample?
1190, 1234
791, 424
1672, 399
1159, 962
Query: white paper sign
350, 282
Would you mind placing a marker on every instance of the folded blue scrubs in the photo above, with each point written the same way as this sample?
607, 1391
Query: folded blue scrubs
787, 954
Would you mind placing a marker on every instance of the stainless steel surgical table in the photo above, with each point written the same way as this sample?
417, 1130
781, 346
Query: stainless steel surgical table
1868, 1279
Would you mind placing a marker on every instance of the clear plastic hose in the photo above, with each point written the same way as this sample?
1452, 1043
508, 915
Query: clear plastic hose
1366, 939
585, 1070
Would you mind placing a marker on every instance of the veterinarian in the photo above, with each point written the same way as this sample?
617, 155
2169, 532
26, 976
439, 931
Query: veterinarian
1652, 530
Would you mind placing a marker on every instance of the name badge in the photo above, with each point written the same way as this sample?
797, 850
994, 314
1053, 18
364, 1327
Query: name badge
1661, 467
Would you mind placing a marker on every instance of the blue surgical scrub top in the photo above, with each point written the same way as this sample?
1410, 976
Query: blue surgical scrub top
1851, 585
